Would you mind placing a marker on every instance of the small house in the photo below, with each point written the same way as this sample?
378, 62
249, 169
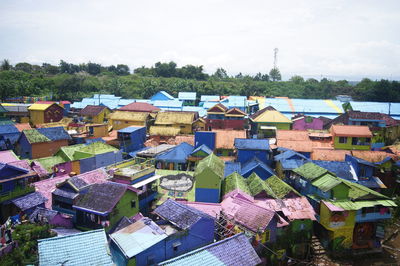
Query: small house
105, 204
45, 113
247, 149
256, 166
209, 174
188, 98
96, 114
304, 122
131, 138
176, 158
86, 248
233, 182
220, 117
41, 142
178, 120
265, 122
26, 205
139, 107
161, 96
235, 250
54, 218
122, 119
198, 154
225, 141
351, 137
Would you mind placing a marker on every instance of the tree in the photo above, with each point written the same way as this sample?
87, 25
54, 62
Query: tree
50, 69
220, 73
275, 74
123, 70
297, 79
5, 65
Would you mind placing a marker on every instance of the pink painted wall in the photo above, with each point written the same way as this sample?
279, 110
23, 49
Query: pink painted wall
302, 125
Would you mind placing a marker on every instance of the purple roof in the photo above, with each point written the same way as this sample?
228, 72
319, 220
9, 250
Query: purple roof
7, 156
29, 201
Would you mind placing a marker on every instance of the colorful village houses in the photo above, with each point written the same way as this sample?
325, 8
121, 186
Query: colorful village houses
176, 158
225, 141
235, 250
140, 107
176, 218
304, 122
9, 135
96, 114
209, 174
220, 117
86, 248
103, 205
351, 216
54, 218
351, 137
15, 111
131, 138
45, 113
248, 149
178, 185
41, 142
188, 98
177, 120
265, 122
122, 119
25, 205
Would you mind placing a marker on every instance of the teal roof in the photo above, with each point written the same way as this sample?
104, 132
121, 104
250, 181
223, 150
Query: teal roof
87, 248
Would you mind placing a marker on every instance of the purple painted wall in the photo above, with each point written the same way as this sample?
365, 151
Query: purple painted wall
61, 221
302, 124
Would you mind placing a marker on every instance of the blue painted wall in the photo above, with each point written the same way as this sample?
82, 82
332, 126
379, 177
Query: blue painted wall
207, 195
261, 172
136, 141
371, 217
204, 137
245, 155
24, 148
360, 168
6, 173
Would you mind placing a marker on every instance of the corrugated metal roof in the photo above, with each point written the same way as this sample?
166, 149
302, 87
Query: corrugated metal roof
87, 248
310, 171
326, 182
235, 181
130, 129
55, 133
187, 95
39, 107
357, 205
178, 154
252, 144
139, 107
129, 116
268, 116
212, 162
208, 98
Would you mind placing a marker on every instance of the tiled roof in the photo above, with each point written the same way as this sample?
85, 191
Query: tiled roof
138, 237
295, 135
179, 214
351, 131
170, 118
252, 144
212, 162
139, 107
235, 181
235, 250
29, 201
54, 133
129, 116
329, 155
101, 198
92, 110
87, 248
225, 139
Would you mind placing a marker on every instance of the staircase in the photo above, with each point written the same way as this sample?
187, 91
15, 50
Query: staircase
316, 246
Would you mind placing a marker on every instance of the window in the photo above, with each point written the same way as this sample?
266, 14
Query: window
342, 139
150, 260
367, 140
133, 204
176, 245
354, 141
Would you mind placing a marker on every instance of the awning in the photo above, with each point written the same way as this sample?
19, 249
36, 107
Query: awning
146, 181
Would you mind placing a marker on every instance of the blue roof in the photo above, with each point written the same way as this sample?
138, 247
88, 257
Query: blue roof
7, 129
292, 164
361, 161
167, 104
231, 167
202, 112
129, 129
252, 144
289, 154
235, 250
87, 248
178, 154
341, 169
54, 133
90, 141
235, 101
207, 98
203, 148
249, 167
162, 95
187, 96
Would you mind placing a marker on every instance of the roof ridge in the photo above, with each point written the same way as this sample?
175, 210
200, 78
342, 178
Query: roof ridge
77, 234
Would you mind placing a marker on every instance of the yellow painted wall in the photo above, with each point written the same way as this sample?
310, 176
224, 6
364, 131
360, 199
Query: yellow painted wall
25, 119
185, 129
76, 167
336, 220
36, 117
120, 124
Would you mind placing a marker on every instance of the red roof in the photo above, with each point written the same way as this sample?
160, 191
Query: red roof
92, 110
351, 131
139, 107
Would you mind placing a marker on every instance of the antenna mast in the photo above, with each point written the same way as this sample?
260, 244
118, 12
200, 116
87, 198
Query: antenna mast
276, 50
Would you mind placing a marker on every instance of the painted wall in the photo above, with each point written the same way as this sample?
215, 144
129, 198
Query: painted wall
340, 192
207, 195
46, 149
348, 145
301, 124
208, 179
98, 119
246, 155
24, 148
206, 138
124, 208
36, 117
53, 114
261, 172
225, 124
118, 124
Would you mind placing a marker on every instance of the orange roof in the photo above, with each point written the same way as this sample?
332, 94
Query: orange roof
304, 145
372, 156
351, 131
111, 136
225, 138
329, 155
184, 138
22, 126
292, 135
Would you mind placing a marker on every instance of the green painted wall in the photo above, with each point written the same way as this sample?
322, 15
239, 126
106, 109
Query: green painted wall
349, 146
341, 191
208, 179
124, 208
277, 125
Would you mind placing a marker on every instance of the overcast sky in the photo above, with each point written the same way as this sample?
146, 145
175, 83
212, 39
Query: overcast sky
329, 38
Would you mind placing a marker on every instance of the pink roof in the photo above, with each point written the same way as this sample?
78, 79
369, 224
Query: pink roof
292, 208
139, 107
22, 126
36, 167
47, 186
95, 176
237, 193
247, 214
332, 207
65, 102
7, 156
212, 209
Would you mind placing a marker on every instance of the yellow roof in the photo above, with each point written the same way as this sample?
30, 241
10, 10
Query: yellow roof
271, 117
169, 118
39, 106
129, 116
164, 131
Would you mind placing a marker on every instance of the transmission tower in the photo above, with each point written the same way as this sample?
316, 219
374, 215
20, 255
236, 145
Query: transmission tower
276, 50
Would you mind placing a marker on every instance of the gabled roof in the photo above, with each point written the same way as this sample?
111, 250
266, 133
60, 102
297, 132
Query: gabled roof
351, 131
326, 182
8, 129
129, 116
249, 167
252, 144
341, 169
22, 126
235, 181
8, 156
101, 198
139, 107
138, 237
178, 154
257, 185
39, 107
55, 133
164, 94
289, 155
310, 171
34, 136
218, 108
202, 149
297, 208
269, 116
187, 96
235, 250
168, 118
29, 201
279, 187
329, 155
235, 112
164, 131
359, 192
358, 115
92, 110
225, 139
87, 248
47, 186
212, 162
372, 156
180, 215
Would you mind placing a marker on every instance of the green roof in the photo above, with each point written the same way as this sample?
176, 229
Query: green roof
257, 185
279, 187
326, 182
35, 136
212, 161
68, 151
49, 162
310, 171
357, 205
97, 148
358, 191
235, 181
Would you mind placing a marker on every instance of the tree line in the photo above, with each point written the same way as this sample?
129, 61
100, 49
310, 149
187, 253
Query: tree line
72, 82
